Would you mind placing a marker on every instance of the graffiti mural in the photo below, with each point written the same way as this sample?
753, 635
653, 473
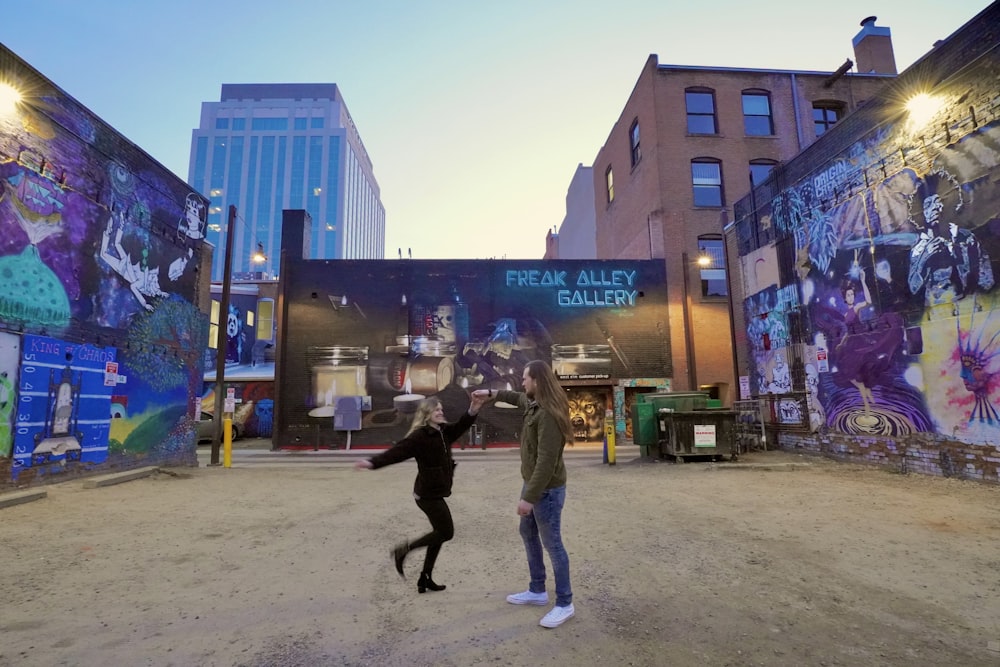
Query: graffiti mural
254, 407
100, 248
10, 352
586, 413
397, 332
896, 243
64, 403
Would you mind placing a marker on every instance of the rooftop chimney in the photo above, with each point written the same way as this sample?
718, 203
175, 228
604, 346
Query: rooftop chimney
873, 49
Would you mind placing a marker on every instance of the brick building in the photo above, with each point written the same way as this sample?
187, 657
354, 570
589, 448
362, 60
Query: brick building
687, 144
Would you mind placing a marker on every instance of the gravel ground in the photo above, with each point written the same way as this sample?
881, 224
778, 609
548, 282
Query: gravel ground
782, 560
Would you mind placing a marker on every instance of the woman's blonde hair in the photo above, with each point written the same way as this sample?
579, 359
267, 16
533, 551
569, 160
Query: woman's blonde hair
423, 415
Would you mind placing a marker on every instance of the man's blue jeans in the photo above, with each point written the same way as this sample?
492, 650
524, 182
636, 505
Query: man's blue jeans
543, 527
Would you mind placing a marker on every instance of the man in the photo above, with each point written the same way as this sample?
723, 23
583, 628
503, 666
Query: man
545, 432
947, 262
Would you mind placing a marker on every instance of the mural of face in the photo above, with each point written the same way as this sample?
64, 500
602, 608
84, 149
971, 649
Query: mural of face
233, 324
194, 213
932, 210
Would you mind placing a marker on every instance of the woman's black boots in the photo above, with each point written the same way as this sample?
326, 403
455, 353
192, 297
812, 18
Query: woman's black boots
425, 583
399, 555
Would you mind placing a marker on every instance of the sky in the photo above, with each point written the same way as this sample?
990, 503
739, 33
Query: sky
475, 113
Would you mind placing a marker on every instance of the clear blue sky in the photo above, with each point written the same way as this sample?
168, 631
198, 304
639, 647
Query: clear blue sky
475, 114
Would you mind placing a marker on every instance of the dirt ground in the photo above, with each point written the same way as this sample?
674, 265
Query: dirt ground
818, 563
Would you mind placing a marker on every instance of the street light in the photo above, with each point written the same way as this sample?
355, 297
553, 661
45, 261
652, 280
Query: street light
259, 257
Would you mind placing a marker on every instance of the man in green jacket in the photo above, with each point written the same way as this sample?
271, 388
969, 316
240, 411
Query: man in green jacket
545, 432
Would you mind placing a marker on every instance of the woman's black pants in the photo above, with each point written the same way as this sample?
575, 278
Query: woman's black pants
442, 529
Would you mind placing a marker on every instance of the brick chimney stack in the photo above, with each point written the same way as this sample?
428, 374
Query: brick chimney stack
873, 49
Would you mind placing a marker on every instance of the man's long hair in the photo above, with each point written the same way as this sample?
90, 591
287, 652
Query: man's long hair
422, 417
551, 397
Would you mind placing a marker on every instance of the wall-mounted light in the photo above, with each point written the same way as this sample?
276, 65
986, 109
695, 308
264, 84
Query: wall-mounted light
704, 261
10, 97
259, 257
921, 108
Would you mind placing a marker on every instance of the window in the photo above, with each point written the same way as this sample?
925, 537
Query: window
609, 180
300, 123
269, 124
239, 124
222, 123
701, 111
633, 142
265, 319
712, 265
759, 170
825, 114
316, 123
706, 178
757, 120
213, 327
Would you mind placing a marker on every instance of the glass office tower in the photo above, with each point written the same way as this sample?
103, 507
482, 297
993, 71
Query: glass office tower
269, 147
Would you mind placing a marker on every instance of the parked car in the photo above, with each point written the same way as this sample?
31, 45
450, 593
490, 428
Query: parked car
206, 428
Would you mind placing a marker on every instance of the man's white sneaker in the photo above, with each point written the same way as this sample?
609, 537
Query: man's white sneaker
527, 597
557, 616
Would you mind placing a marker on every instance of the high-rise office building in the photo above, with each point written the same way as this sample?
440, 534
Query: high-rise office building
268, 147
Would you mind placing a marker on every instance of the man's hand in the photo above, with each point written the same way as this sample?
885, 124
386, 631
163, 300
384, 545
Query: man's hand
524, 508
477, 402
363, 464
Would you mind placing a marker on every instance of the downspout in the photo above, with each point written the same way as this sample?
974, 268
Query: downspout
795, 110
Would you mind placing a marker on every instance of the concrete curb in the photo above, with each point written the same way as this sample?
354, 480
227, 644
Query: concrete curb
20, 497
757, 466
118, 477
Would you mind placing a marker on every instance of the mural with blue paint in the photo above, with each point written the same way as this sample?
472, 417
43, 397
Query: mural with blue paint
894, 249
398, 332
64, 403
100, 248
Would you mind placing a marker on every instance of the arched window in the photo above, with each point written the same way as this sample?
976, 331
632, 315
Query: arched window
700, 103
825, 114
759, 170
757, 120
706, 181
712, 266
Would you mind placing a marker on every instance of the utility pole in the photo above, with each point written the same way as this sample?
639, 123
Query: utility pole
222, 339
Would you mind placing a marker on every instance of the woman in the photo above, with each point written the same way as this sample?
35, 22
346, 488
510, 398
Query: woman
428, 441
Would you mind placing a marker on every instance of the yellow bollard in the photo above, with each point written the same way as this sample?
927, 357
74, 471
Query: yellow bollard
609, 435
227, 443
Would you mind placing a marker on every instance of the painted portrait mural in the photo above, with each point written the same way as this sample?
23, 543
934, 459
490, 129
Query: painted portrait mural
397, 332
100, 248
892, 285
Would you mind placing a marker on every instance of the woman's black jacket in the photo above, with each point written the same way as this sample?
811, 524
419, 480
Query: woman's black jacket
432, 450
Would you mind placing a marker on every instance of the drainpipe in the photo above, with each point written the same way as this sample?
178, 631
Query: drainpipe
795, 108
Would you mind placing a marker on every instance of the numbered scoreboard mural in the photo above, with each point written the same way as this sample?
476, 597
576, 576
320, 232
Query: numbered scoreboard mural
64, 403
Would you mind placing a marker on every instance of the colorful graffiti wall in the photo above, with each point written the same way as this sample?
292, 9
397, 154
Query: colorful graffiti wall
872, 279
399, 331
100, 252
